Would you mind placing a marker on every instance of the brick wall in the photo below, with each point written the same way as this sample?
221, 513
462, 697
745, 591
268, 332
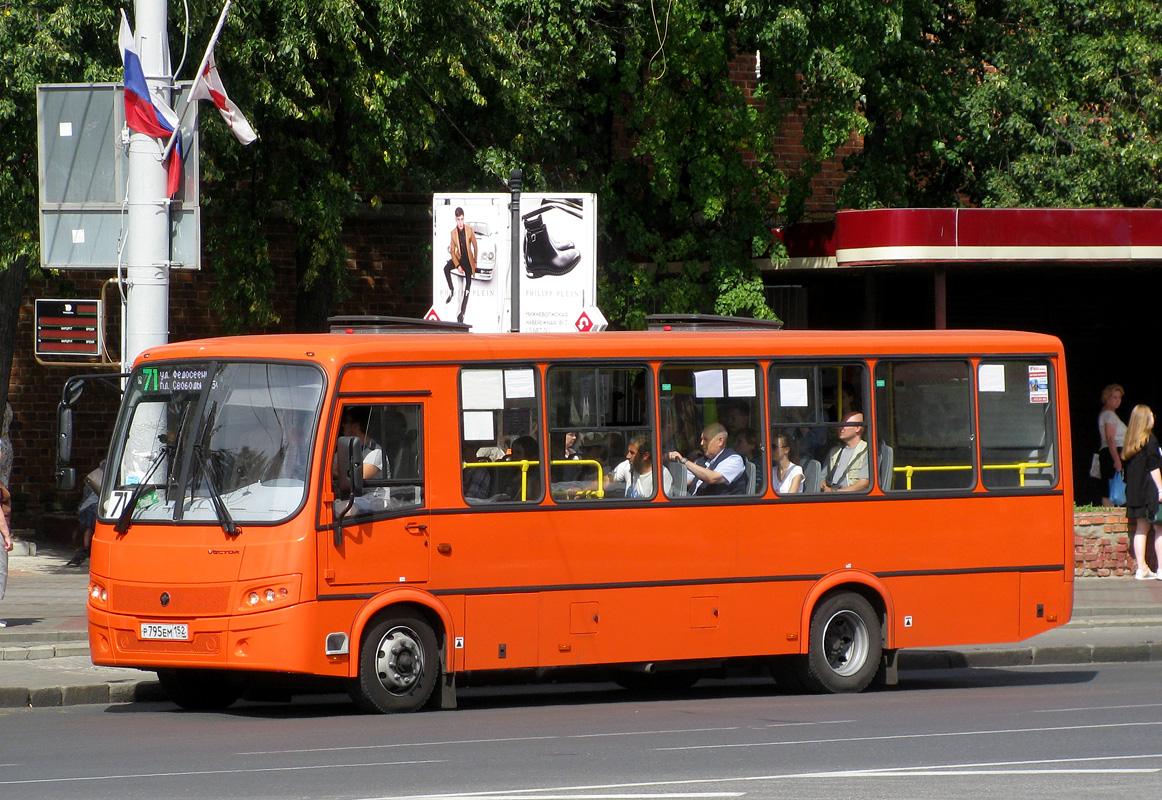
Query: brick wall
1101, 544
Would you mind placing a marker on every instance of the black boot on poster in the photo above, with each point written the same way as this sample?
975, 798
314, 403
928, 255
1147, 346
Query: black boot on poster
543, 256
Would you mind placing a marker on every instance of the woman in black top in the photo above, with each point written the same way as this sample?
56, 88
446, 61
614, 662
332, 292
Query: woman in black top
1143, 469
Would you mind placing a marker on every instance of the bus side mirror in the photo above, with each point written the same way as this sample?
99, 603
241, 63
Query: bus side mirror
349, 481
64, 441
66, 479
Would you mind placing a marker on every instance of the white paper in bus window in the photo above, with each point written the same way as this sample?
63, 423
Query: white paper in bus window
991, 377
708, 383
478, 426
519, 383
482, 388
793, 392
740, 382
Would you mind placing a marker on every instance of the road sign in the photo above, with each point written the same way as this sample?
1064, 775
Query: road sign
68, 328
591, 320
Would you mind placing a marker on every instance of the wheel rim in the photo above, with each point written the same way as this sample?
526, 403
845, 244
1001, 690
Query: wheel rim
846, 643
399, 660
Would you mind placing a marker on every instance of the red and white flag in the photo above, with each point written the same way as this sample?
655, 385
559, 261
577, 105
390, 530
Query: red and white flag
210, 88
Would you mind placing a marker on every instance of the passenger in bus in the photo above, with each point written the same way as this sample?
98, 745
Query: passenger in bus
635, 476
847, 463
735, 417
477, 481
592, 447
747, 445
354, 423
524, 448
785, 472
718, 471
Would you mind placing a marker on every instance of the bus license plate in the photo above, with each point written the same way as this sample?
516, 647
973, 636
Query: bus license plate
173, 632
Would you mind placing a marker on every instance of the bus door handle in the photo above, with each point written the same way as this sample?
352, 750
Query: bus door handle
416, 527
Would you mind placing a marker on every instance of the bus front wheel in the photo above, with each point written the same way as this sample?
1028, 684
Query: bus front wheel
199, 689
845, 647
399, 663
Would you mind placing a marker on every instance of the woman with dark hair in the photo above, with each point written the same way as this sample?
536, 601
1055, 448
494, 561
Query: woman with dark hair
1143, 470
786, 474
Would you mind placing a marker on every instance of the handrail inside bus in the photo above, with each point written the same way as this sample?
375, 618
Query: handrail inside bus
524, 472
1020, 466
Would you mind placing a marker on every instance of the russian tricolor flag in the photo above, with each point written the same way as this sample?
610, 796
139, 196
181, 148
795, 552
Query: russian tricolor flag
145, 113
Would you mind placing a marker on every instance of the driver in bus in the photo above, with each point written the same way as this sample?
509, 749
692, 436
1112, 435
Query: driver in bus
375, 464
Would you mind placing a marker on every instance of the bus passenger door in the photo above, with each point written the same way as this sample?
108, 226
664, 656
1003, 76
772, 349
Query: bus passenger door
384, 535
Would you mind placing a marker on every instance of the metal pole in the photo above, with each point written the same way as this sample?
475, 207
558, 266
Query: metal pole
514, 185
147, 245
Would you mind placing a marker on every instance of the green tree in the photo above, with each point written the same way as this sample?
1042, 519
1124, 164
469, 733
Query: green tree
1015, 103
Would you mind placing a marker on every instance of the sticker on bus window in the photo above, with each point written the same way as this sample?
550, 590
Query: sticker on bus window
991, 377
519, 383
793, 392
708, 383
478, 426
740, 382
482, 388
1038, 383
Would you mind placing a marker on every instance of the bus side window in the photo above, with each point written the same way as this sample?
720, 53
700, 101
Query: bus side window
711, 399
501, 452
1017, 424
820, 435
924, 425
391, 454
601, 443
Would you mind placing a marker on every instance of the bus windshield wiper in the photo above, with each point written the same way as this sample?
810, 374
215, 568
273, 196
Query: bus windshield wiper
126, 518
220, 509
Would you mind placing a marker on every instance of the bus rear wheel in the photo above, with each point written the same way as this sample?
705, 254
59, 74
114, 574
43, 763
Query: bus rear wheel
399, 663
199, 689
846, 643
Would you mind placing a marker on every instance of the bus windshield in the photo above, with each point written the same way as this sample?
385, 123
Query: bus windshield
226, 443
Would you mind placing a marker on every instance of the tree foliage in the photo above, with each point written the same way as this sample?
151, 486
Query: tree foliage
982, 102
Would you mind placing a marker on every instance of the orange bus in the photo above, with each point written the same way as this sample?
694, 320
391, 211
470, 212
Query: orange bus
396, 509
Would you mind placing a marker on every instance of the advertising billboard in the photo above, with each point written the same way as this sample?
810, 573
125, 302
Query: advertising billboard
471, 260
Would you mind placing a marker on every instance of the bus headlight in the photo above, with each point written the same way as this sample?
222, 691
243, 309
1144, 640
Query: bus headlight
270, 594
98, 594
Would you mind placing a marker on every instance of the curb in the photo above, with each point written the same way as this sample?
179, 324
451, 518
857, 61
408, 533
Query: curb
87, 694
1029, 656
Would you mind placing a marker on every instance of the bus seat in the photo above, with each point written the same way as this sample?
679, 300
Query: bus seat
887, 461
812, 476
750, 477
678, 473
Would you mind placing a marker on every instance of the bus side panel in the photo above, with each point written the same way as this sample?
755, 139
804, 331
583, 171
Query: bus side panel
1046, 602
670, 623
500, 631
940, 610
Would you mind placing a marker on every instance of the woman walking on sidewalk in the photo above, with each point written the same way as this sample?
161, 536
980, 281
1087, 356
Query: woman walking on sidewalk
1143, 469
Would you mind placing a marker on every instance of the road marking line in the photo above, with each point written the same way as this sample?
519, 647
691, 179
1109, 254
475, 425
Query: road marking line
543, 792
1095, 708
191, 773
488, 741
910, 736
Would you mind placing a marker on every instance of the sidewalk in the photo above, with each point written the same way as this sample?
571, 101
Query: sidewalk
44, 651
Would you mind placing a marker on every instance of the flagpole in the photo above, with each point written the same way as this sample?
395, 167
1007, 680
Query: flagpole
197, 79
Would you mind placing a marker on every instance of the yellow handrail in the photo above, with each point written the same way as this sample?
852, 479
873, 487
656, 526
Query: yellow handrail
524, 472
1020, 466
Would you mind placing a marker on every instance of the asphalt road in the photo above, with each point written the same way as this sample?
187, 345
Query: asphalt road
1055, 732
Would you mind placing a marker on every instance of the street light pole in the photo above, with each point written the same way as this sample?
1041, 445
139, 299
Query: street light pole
145, 321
